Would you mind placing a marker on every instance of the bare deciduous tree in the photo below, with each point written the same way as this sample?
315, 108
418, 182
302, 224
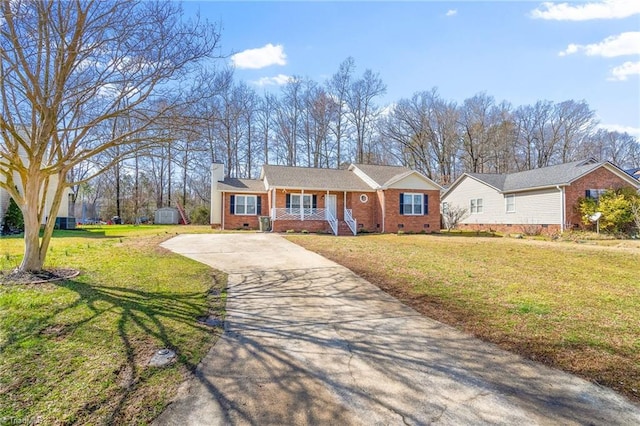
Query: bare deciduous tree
362, 109
452, 215
339, 85
476, 120
68, 70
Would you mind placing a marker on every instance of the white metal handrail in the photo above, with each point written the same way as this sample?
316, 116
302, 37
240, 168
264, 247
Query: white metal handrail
333, 221
350, 221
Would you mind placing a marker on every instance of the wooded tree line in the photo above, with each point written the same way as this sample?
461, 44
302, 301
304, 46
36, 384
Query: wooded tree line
333, 123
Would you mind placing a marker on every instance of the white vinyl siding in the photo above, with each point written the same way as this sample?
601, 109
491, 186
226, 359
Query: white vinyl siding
414, 182
476, 206
535, 207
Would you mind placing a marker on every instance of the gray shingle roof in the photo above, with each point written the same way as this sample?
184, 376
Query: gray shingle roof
241, 185
313, 179
382, 174
560, 174
495, 180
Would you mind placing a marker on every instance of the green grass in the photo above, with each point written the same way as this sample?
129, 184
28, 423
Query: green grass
76, 351
568, 305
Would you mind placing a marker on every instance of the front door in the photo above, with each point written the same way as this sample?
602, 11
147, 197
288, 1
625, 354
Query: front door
331, 206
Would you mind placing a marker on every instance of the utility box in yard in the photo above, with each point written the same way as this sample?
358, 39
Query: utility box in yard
265, 223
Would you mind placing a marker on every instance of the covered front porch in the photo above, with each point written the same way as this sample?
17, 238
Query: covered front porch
313, 211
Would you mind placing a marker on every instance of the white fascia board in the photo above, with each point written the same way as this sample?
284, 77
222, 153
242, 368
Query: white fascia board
365, 177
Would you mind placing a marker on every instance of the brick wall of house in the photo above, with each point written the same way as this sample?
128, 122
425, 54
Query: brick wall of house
365, 213
232, 221
598, 179
313, 226
395, 222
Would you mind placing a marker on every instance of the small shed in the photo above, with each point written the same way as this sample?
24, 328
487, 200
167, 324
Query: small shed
167, 216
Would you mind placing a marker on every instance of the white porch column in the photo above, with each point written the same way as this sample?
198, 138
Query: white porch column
273, 204
344, 205
302, 205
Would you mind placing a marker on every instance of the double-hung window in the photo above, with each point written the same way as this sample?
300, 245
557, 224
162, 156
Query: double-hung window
510, 203
475, 205
413, 204
245, 205
301, 201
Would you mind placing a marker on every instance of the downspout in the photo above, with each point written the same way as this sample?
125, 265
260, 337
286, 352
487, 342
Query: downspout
223, 210
562, 207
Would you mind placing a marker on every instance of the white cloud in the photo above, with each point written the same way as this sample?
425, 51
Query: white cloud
633, 131
620, 45
451, 12
277, 80
606, 9
261, 57
622, 72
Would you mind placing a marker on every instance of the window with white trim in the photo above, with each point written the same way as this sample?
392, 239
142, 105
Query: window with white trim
246, 205
412, 204
475, 205
510, 203
299, 201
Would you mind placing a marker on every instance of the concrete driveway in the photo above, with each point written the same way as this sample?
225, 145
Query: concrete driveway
308, 342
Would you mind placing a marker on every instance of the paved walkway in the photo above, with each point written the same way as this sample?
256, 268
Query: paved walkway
308, 342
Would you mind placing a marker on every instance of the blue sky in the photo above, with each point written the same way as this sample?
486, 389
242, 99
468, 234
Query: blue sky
519, 51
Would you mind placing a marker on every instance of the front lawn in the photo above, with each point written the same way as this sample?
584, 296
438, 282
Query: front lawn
76, 351
568, 305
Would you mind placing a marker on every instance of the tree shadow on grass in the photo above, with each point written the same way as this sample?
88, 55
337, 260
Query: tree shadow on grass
138, 322
146, 321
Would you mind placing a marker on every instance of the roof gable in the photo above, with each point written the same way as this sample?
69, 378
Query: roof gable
381, 174
413, 180
485, 179
382, 177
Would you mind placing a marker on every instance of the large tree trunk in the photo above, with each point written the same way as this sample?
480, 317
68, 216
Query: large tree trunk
33, 211
32, 261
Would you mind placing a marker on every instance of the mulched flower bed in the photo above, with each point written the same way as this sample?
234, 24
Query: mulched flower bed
46, 275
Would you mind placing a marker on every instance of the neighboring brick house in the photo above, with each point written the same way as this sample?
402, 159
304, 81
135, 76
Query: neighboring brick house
544, 199
362, 198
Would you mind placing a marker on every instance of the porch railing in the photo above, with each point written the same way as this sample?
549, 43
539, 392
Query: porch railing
333, 221
350, 221
298, 214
